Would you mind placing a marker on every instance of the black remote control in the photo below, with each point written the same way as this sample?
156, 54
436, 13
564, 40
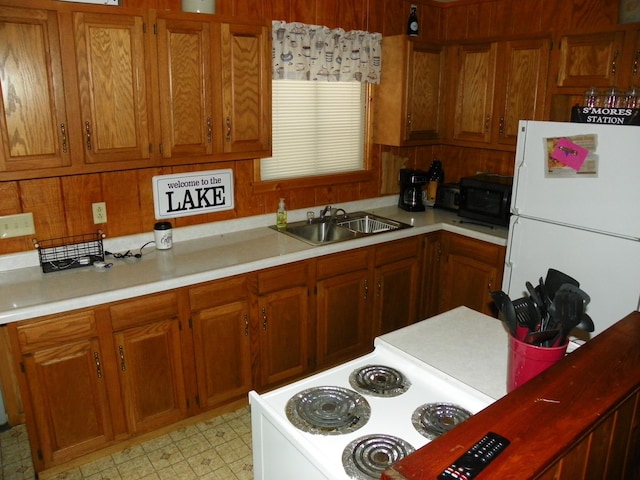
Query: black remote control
473, 461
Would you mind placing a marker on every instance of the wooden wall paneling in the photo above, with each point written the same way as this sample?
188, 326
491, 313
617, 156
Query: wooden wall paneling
375, 16
145, 191
120, 193
632, 463
44, 199
455, 22
616, 454
482, 20
79, 192
526, 17
244, 9
246, 202
277, 10
556, 16
594, 13
9, 205
304, 11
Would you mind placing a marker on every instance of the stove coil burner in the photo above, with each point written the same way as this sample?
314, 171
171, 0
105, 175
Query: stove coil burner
328, 410
379, 381
367, 457
433, 419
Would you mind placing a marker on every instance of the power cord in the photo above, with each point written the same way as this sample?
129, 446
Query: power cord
129, 254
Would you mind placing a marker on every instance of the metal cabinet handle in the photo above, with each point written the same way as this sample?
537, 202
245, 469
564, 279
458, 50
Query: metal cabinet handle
246, 325
87, 129
486, 124
501, 127
438, 252
228, 123
63, 132
614, 62
264, 318
379, 285
366, 289
96, 358
635, 62
409, 121
209, 129
490, 286
123, 365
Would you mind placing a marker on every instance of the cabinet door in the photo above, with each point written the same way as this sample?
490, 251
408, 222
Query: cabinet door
69, 400
474, 92
521, 86
406, 103
246, 88
426, 64
222, 351
112, 78
344, 326
396, 295
151, 374
33, 119
283, 334
472, 270
590, 60
431, 275
186, 90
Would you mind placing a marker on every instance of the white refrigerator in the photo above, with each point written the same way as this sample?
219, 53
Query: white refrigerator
576, 208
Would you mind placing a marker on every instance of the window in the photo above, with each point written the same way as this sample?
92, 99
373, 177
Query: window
318, 129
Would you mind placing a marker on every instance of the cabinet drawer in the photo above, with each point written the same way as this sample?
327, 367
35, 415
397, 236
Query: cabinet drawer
56, 330
280, 278
218, 293
478, 250
343, 262
391, 252
144, 310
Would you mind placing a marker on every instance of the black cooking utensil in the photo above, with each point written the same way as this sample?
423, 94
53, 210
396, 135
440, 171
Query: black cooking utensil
508, 311
538, 338
526, 313
555, 279
586, 324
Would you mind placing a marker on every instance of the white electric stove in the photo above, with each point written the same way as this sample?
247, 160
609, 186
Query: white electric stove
357, 419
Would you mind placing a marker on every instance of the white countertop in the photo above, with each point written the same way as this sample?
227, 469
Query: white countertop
199, 254
465, 344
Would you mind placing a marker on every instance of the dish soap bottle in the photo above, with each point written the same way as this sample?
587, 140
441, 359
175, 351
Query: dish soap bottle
281, 216
412, 22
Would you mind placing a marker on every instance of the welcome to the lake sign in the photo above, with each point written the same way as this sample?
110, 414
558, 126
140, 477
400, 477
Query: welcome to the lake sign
192, 193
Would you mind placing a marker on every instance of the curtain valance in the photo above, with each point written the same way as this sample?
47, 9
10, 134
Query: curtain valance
313, 52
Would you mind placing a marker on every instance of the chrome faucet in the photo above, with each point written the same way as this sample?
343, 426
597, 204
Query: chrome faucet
324, 211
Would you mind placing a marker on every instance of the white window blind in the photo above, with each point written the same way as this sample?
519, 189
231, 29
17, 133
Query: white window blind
318, 129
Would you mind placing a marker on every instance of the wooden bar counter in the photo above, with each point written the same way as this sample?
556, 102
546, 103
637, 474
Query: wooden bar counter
580, 419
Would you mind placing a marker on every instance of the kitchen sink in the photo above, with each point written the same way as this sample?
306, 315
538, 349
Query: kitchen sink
341, 228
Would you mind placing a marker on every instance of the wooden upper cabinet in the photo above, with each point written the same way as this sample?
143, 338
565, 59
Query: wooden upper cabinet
246, 88
592, 59
186, 90
33, 119
112, 80
475, 66
407, 108
520, 86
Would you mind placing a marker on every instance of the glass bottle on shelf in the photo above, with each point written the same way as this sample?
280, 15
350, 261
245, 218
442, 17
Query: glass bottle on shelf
631, 98
412, 23
591, 97
612, 98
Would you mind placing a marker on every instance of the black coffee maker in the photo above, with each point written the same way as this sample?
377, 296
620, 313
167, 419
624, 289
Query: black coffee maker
411, 182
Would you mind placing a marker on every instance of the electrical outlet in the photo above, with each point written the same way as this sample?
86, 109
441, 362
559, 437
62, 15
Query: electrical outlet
16, 225
99, 212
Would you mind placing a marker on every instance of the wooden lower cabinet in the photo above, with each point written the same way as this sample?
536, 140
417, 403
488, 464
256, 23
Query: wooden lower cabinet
397, 274
220, 315
343, 306
283, 319
64, 385
471, 270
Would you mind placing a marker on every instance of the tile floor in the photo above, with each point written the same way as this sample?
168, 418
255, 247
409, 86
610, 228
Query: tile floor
215, 449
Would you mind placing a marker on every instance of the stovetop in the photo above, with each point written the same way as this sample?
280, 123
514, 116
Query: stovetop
390, 415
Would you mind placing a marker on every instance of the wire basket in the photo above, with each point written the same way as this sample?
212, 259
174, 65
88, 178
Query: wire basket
76, 251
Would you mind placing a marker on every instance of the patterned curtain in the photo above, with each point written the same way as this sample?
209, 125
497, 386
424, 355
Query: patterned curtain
312, 52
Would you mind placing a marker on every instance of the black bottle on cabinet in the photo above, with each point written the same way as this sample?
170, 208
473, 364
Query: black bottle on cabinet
412, 24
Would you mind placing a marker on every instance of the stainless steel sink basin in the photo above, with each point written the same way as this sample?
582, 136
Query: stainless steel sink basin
341, 228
